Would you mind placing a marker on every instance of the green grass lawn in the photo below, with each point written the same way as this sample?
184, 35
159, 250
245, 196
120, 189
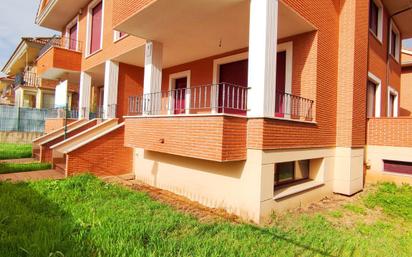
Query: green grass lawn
22, 167
15, 151
82, 216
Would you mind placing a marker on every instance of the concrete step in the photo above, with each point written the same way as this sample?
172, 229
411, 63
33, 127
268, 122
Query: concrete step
60, 167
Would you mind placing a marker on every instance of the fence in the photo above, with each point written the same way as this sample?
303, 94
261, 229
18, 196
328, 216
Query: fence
30, 120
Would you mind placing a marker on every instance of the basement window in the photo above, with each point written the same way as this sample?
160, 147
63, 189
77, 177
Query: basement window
291, 172
397, 167
295, 177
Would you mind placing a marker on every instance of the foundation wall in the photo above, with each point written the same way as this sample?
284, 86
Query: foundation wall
246, 188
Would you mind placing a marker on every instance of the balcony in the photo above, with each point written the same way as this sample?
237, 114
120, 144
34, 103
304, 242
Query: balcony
60, 57
206, 122
26, 79
55, 14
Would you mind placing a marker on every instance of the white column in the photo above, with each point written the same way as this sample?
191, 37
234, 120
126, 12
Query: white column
262, 57
111, 79
84, 95
153, 76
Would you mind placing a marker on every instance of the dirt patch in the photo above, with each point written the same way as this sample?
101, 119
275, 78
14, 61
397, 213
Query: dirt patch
180, 203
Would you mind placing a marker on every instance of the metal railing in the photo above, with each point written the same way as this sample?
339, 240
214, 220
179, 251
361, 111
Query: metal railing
62, 42
29, 79
293, 107
60, 113
217, 98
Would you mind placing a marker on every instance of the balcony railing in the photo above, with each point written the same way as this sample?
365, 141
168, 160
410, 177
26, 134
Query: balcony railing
293, 107
221, 98
64, 43
218, 98
29, 79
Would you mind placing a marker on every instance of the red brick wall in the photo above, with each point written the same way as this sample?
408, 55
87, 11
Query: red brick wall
106, 156
390, 132
217, 138
53, 124
130, 84
46, 152
59, 58
125, 8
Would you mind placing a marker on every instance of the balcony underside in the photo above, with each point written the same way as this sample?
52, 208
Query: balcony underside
191, 30
57, 13
58, 63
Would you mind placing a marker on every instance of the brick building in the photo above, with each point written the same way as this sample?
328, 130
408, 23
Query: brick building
252, 106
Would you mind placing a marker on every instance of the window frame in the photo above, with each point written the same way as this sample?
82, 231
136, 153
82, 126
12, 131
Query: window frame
394, 28
279, 184
90, 8
395, 107
117, 37
69, 26
378, 93
379, 35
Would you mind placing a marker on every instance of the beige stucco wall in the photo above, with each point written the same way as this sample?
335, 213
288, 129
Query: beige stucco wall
234, 186
14, 137
246, 188
376, 154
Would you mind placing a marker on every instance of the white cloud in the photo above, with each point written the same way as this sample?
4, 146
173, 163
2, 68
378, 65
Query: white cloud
17, 21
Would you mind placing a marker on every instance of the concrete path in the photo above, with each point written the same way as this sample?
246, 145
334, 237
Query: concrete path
23, 160
32, 176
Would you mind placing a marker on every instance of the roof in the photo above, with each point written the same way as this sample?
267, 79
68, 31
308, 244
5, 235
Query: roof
25, 43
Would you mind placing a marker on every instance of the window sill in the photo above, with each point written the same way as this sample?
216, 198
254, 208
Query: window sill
92, 54
375, 36
394, 58
295, 189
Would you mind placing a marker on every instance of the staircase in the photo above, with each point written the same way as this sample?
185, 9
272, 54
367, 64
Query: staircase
99, 150
42, 145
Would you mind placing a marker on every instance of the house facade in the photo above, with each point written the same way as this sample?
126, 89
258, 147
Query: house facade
251, 106
30, 90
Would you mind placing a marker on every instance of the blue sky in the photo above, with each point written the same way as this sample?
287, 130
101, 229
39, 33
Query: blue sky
17, 21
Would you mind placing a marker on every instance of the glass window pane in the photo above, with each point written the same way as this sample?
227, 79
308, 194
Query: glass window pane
285, 172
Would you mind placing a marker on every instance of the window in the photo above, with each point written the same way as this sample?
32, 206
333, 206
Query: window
48, 101
392, 102
119, 35
394, 42
72, 34
375, 19
95, 27
290, 172
373, 108
371, 102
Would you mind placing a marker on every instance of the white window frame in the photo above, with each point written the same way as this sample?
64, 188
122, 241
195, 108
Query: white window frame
70, 25
117, 37
394, 92
172, 85
378, 93
288, 47
89, 26
379, 37
394, 28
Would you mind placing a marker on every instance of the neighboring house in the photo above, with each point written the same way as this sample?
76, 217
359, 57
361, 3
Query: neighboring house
252, 106
31, 90
6, 91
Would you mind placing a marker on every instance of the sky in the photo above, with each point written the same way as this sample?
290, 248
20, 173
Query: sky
17, 21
